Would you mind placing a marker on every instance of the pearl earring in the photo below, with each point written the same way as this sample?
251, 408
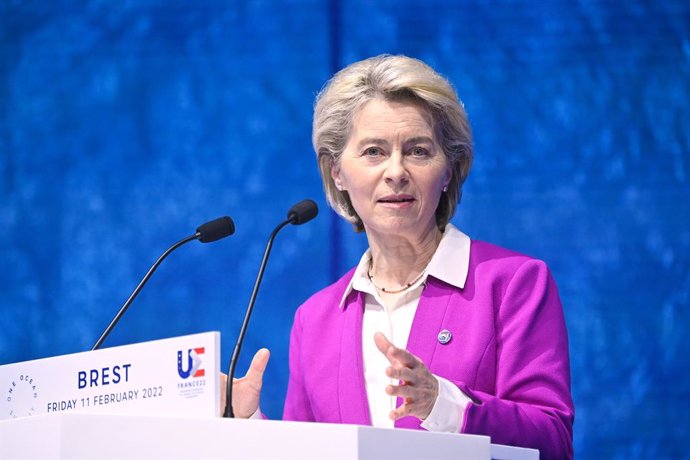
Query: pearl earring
445, 188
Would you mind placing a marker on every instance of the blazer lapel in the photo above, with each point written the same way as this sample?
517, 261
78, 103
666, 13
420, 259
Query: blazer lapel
427, 323
352, 395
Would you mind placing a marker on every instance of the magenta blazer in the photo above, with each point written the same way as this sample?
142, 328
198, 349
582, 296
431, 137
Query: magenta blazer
508, 353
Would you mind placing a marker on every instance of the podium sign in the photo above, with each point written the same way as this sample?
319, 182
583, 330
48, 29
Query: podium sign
177, 376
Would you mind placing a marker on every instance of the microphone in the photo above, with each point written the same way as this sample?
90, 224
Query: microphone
301, 213
206, 233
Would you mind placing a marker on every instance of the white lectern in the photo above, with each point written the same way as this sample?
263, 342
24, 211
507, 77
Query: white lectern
89, 436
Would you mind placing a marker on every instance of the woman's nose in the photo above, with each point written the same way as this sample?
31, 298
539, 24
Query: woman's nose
396, 172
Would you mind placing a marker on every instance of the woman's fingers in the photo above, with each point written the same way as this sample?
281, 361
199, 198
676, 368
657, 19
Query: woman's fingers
223, 395
400, 412
414, 392
382, 343
403, 357
418, 387
246, 391
402, 373
255, 374
394, 354
418, 399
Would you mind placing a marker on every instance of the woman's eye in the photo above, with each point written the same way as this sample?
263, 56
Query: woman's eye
419, 152
372, 151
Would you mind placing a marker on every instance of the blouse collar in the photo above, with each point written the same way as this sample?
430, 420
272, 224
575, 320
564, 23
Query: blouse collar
450, 263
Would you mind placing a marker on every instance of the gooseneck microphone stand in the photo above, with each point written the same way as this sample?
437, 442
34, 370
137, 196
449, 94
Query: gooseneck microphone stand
300, 213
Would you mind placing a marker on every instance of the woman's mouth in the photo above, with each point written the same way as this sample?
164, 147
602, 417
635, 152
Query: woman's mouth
396, 200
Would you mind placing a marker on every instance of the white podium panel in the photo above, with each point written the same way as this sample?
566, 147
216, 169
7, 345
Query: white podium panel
501, 452
177, 377
89, 436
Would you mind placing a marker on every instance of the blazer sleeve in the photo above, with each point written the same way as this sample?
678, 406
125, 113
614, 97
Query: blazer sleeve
532, 406
297, 405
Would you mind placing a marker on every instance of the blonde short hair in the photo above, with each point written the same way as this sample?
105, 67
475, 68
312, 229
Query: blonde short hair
390, 78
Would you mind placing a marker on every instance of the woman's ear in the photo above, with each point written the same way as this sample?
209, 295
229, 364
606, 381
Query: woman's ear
447, 178
335, 175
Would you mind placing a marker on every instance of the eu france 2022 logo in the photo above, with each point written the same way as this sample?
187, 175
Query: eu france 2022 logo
191, 364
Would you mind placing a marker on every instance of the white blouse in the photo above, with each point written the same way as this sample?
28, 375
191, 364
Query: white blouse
395, 323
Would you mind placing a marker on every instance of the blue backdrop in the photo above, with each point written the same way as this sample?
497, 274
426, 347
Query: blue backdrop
124, 125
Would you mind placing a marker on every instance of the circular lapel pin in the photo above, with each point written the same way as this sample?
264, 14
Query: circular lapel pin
444, 336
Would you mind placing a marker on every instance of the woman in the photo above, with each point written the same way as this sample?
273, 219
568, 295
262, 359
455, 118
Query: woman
431, 330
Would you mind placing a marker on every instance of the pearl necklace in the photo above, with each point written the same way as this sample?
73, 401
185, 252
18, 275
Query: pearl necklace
393, 291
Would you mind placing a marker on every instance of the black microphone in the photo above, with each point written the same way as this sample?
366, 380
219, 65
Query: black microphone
302, 212
206, 233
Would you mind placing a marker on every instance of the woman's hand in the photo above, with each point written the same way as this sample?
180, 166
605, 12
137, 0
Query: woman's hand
247, 390
418, 387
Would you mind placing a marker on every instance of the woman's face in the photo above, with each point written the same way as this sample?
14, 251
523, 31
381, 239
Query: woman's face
393, 168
